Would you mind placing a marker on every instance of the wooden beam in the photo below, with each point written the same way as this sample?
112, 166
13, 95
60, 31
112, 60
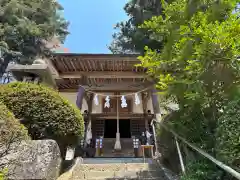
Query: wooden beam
112, 87
98, 91
122, 115
116, 88
119, 87
103, 74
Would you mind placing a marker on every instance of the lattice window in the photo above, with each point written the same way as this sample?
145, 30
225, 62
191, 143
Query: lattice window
99, 127
137, 126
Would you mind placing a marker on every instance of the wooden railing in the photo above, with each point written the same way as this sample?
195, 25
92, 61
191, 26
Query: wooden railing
178, 139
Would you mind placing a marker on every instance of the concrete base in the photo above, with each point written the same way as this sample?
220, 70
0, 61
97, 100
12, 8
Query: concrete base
117, 146
126, 148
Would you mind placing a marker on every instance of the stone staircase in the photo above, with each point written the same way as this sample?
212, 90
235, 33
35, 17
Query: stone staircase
117, 169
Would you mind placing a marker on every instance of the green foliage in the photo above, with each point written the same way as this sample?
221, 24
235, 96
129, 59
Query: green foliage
202, 43
11, 132
26, 26
199, 68
228, 133
197, 51
45, 113
201, 170
130, 38
191, 124
10, 128
3, 174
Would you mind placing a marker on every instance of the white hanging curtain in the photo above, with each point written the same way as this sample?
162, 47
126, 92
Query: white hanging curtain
148, 135
89, 133
96, 99
124, 102
107, 102
137, 100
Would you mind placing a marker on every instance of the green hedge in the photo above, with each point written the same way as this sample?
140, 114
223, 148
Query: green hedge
220, 141
201, 169
11, 131
228, 135
10, 128
45, 113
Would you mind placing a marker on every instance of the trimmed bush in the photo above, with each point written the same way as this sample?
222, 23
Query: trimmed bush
11, 131
10, 128
44, 112
2, 175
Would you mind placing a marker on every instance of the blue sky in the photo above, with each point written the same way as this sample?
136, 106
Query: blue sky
91, 23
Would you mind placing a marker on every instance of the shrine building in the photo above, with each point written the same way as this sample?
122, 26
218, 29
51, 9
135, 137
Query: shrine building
88, 79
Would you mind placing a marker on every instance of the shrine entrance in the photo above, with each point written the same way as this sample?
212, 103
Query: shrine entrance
124, 128
110, 128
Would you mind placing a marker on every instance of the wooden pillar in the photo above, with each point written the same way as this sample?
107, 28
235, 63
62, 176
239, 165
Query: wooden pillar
117, 145
89, 98
156, 107
79, 102
145, 97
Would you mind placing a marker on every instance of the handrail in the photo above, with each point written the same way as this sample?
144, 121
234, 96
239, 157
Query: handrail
200, 151
180, 156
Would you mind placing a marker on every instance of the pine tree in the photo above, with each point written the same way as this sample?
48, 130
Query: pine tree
25, 28
130, 38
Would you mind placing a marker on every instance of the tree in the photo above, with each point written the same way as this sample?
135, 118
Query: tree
198, 67
131, 38
201, 44
25, 28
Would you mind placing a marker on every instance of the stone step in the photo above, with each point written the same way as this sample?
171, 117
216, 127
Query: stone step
116, 167
118, 174
158, 178
117, 171
103, 160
